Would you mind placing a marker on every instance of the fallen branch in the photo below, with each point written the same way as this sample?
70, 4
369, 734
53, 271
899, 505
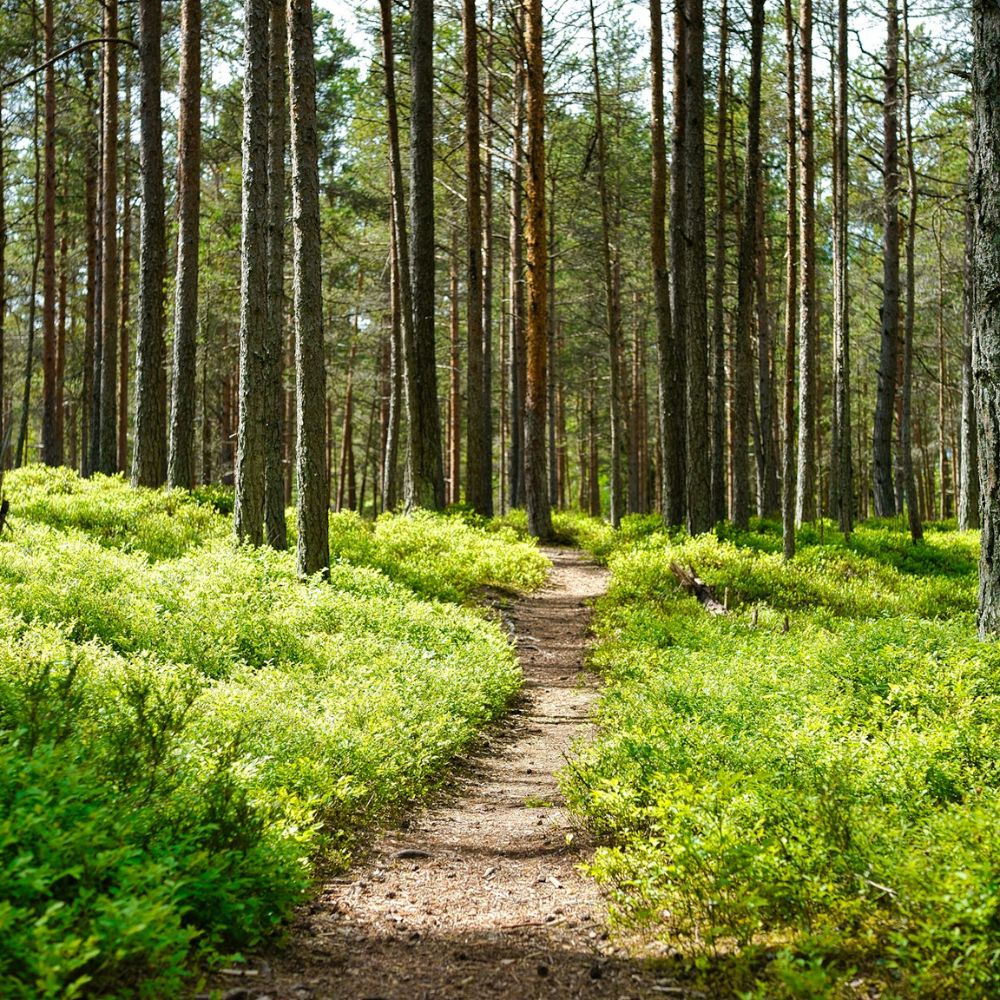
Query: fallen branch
693, 584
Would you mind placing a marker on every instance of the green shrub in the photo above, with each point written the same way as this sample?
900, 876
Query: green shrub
184, 723
819, 804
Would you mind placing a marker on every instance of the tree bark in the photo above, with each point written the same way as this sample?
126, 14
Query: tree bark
743, 349
675, 422
516, 354
718, 394
906, 458
180, 467
125, 281
788, 483
453, 474
248, 511
479, 484
50, 448
882, 467
108, 423
612, 310
986, 303
968, 498
841, 472
666, 410
805, 501
275, 529
426, 485
696, 307
313, 555
406, 361
536, 489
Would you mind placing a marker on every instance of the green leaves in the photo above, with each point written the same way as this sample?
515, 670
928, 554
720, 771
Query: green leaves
821, 800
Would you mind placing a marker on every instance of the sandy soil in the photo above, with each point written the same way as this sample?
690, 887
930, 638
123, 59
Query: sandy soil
478, 893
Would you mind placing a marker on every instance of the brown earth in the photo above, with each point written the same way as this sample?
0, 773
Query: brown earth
478, 894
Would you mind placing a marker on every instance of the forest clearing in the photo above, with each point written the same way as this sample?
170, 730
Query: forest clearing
499, 499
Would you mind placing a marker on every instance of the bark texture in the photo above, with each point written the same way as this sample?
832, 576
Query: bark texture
883, 487
180, 468
275, 530
107, 429
536, 305
313, 552
425, 487
986, 309
248, 511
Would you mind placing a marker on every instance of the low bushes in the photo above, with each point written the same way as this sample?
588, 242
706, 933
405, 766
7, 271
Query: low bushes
811, 811
184, 723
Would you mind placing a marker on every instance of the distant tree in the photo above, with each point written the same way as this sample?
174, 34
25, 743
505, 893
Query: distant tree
50, 445
791, 286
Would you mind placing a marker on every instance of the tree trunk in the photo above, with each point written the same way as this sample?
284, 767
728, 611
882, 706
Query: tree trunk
788, 483
90, 304
986, 304
882, 467
180, 468
841, 471
390, 455
108, 424
536, 489
275, 530
20, 449
248, 510
50, 449
612, 313
426, 486
310, 366
3, 287
768, 497
750, 237
401, 260
696, 308
515, 477
718, 394
487, 225
454, 450
906, 458
805, 501
125, 281
479, 485
968, 499
667, 410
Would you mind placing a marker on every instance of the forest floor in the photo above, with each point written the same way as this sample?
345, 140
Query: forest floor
477, 894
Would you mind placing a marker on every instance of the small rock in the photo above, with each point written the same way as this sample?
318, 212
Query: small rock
596, 971
543, 969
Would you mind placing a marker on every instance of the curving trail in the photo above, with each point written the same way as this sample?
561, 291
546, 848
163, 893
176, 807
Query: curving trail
477, 894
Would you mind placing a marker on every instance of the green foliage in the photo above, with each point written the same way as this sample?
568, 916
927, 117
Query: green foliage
819, 805
184, 723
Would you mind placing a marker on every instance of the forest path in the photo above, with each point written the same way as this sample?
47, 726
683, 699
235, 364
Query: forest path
477, 894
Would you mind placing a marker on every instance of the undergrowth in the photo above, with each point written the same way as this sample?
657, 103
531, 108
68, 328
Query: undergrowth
185, 725
802, 796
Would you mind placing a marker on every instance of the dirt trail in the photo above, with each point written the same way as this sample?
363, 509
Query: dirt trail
477, 894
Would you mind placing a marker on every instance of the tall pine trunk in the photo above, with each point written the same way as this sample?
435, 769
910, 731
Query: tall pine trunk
788, 478
986, 308
743, 349
180, 468
50, 450
805, 500
275, 530
248, 510
107, 429
968, 498
313, 553
841, 471
536, 488
479, 484
426, 481
885, 396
